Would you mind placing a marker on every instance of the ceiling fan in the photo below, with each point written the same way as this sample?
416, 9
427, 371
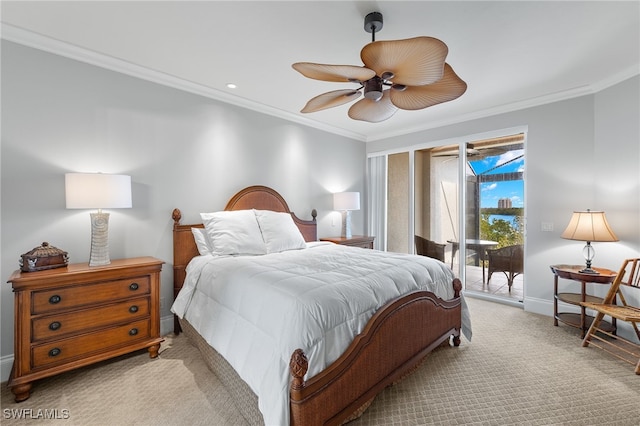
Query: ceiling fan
413, 70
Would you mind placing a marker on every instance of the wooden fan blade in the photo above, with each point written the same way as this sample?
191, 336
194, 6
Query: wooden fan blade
414, 62
338, 73
330, 100
447, 89
373, 111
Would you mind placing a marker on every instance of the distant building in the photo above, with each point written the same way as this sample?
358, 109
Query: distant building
504, 203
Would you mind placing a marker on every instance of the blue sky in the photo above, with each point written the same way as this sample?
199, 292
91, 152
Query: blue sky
491, 192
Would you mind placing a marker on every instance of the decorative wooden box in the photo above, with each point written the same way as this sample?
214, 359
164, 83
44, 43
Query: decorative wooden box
43, 257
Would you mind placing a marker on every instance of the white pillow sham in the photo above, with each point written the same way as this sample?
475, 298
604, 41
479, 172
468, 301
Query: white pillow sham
233, 233
279, 231
202, 241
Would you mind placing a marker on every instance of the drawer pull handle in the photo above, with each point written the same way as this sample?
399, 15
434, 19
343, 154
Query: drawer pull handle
133, 332
54, 352
133, 286
133, 309
54, 326
55, 299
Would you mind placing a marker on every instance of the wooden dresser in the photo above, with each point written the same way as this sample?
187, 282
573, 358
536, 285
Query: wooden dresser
70, 317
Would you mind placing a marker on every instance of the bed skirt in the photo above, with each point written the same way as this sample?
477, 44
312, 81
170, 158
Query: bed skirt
246, 401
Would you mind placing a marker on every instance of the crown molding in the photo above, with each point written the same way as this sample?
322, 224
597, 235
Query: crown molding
38, 41
616, 78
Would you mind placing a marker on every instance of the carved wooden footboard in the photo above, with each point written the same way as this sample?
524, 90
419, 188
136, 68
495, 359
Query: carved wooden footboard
394, 342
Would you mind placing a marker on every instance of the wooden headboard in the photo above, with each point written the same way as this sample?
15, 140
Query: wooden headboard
253, 197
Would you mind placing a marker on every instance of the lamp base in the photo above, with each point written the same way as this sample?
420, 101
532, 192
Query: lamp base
99, 239
346, 224
588, 252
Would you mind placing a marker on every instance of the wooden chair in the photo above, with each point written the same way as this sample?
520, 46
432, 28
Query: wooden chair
429, 248
617, 346
509, 260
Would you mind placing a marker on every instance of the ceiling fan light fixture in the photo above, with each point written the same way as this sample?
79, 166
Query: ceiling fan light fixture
387, 75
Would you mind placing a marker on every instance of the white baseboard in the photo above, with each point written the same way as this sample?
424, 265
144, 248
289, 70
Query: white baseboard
6, 362
166, 325
538, 306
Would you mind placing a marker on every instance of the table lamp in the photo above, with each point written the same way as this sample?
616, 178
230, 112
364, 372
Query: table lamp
346, 202
98, 191
589, 226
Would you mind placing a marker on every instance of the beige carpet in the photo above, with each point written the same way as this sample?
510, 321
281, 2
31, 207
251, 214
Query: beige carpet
519, 370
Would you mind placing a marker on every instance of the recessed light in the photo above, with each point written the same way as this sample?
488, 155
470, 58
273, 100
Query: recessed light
231, 86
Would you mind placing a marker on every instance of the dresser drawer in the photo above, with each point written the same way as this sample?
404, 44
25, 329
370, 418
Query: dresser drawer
80, 346
361, 241
88, 294
60, 325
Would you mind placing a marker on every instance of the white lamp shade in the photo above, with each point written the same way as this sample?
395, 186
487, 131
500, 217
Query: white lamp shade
346, 201
589, 226
97, 191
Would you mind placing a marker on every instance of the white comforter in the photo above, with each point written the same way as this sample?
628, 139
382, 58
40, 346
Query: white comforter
256, 310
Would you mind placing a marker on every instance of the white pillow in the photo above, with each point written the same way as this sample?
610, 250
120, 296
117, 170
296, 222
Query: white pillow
202, 241
233, 232
279, 231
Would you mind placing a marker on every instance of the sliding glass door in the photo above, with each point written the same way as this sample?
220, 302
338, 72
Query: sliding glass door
462, 200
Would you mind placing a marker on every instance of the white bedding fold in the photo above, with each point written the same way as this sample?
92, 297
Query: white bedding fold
256, 310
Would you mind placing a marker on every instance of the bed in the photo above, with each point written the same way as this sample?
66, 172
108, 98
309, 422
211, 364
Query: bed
331, 381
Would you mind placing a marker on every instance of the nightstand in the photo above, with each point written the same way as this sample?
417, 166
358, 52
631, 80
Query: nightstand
70, 317
579, 320
355, 241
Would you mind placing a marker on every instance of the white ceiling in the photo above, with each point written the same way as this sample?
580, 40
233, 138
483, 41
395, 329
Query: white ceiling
512, 54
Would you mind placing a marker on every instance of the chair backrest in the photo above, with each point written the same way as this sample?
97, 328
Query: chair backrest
429, 248
516, 250
629, 274
509, 255
517, 256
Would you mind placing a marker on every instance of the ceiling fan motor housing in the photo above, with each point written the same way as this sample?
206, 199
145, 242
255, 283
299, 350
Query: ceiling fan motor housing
373, 88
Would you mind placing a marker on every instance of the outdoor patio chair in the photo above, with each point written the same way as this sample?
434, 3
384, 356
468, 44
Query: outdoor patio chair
509, 260
429, 248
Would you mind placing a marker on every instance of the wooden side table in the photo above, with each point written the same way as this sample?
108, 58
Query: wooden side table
355, 241
581, 320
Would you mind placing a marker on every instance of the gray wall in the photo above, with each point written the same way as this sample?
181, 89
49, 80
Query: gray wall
181, 150
580, 153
